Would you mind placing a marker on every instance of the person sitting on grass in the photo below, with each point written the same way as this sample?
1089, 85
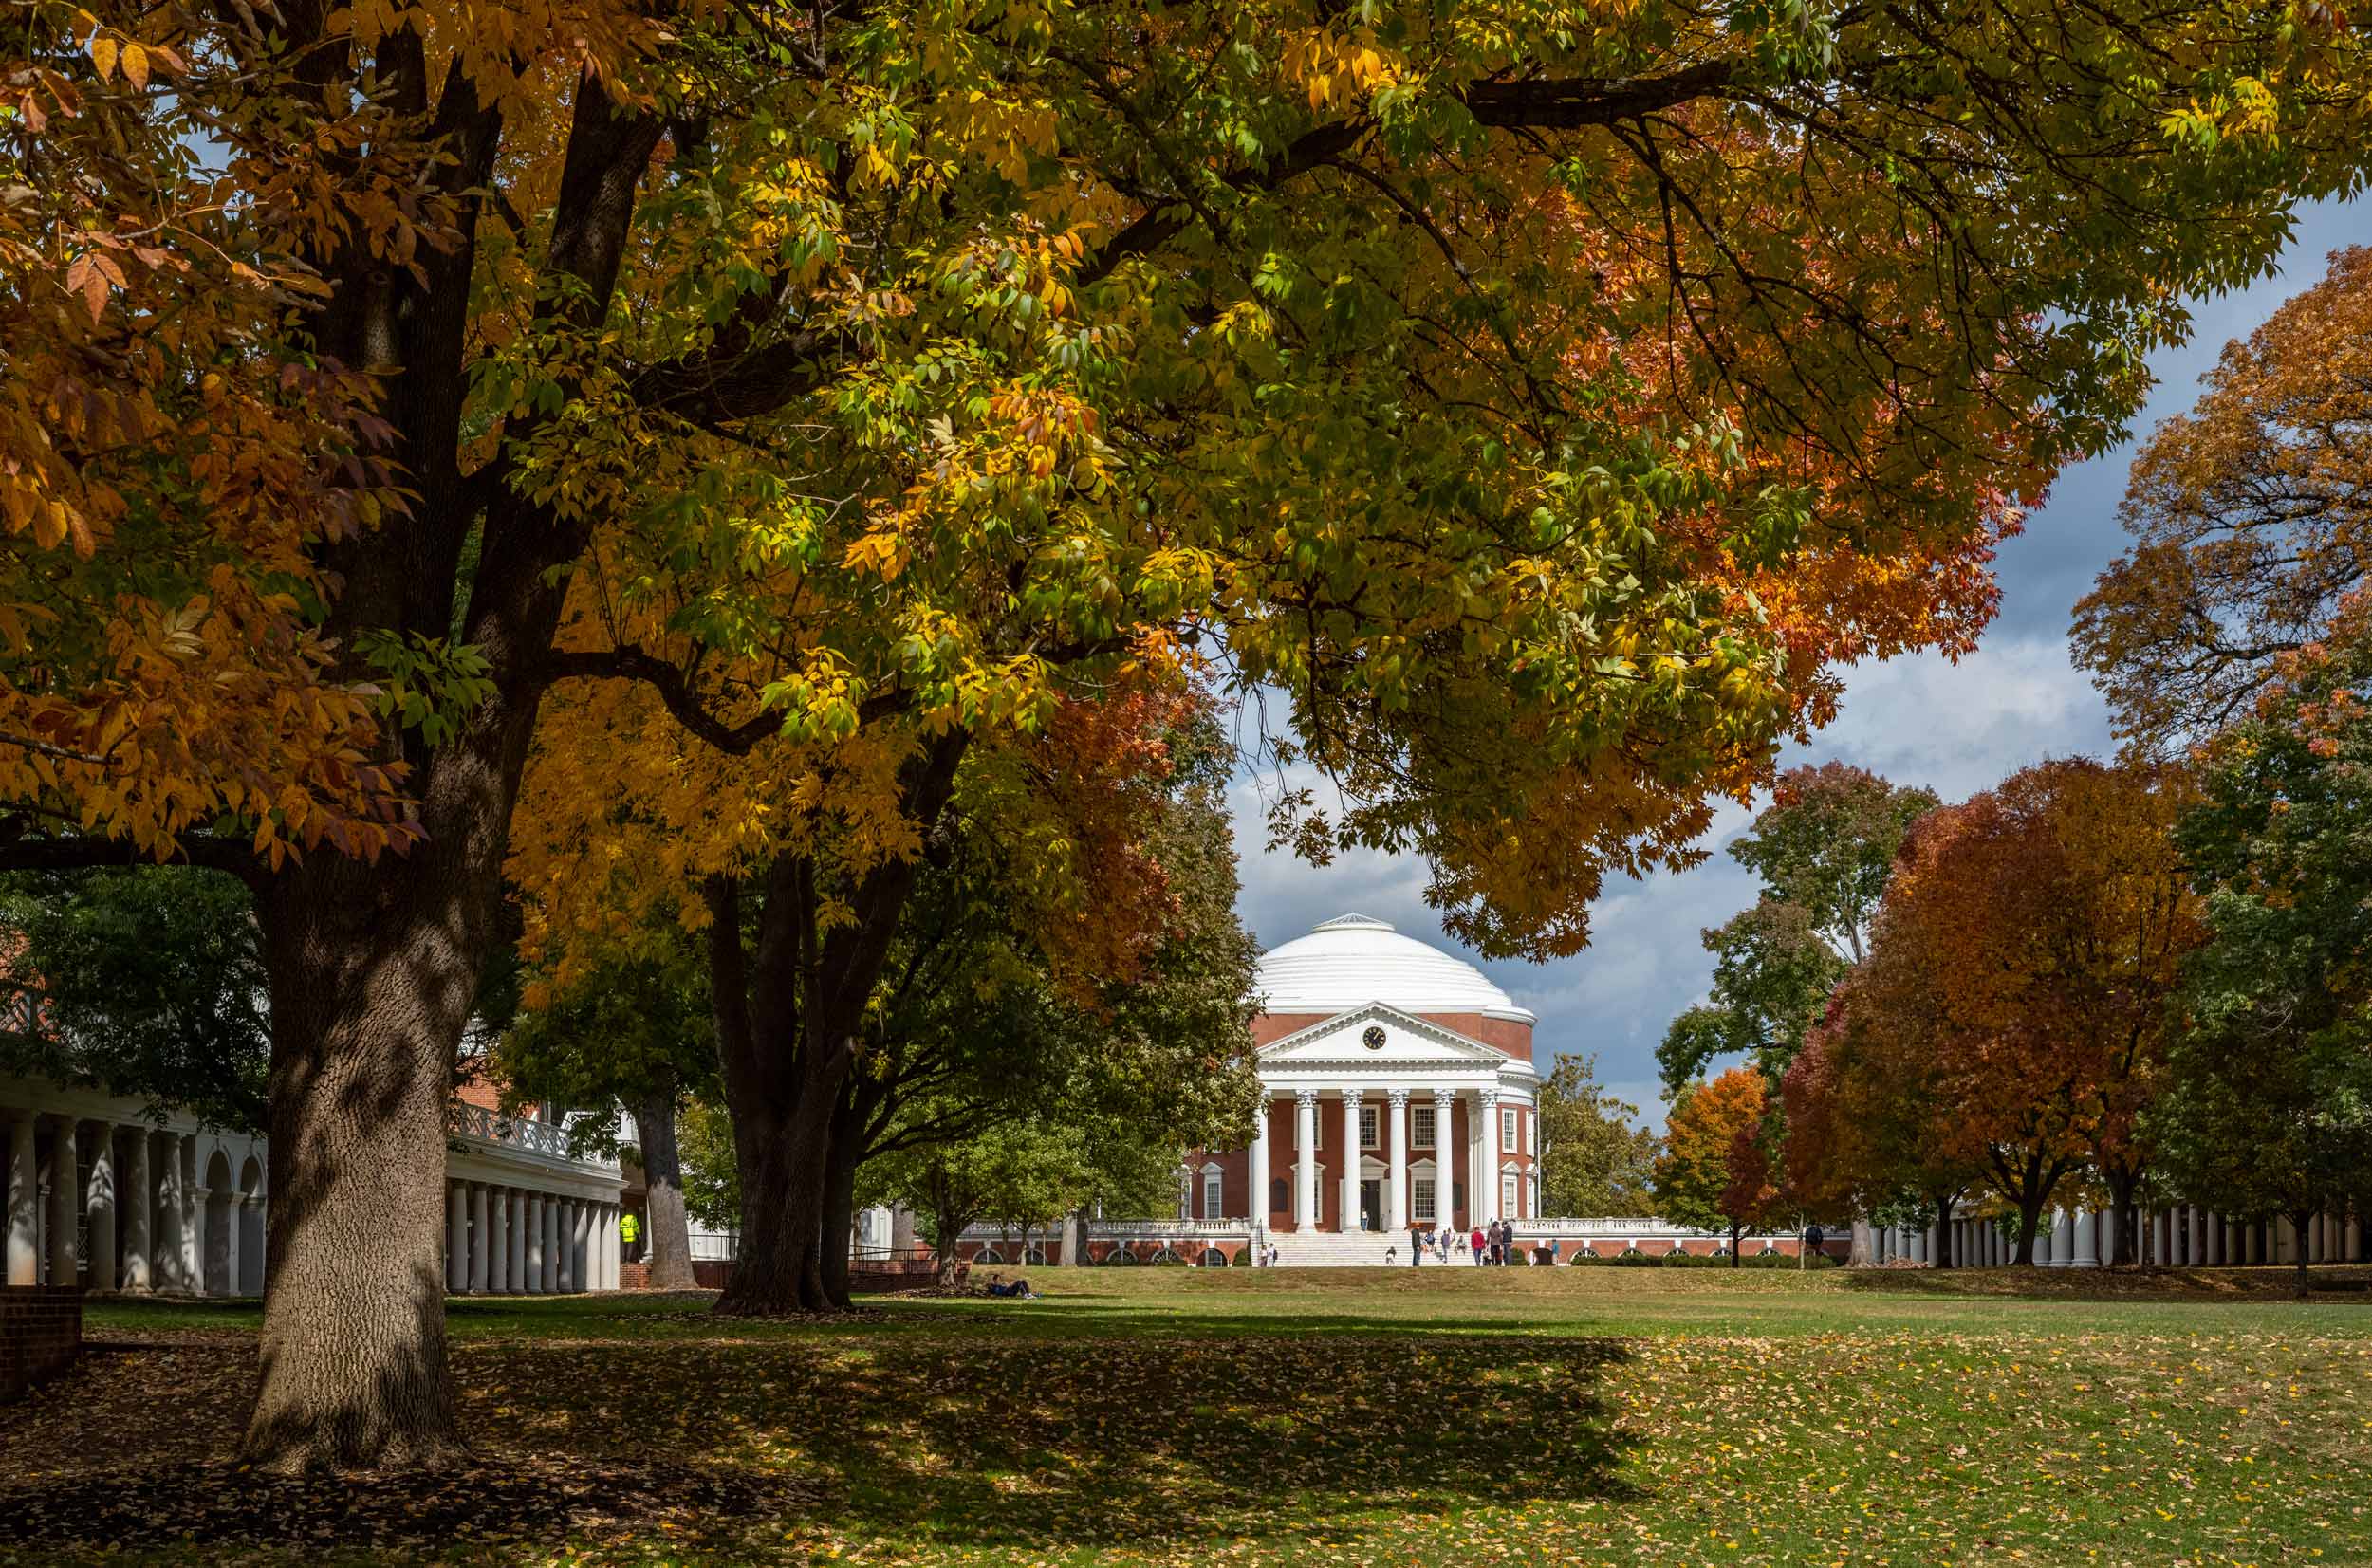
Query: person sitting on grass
1017, 1290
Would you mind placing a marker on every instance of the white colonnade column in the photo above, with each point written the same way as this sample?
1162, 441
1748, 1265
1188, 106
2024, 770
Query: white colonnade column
565, 1244
533, 1282
1487, 1165
101, 1204
479, 1238
456, 1237
193, 1255
1444, 1159
2087, 1240
172, 1198
551, 1246
134, 1208
24, 1201
1395, 1174
1353, 1152
498, 1241
1257, 1168
1306, 1159
520, 1274
66, 1178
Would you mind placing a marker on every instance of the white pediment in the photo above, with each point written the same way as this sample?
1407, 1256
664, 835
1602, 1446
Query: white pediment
1401, 1039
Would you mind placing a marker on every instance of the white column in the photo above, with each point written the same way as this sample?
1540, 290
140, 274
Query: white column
498, 1241
551, 1246
531, 1242
66, 1177
1444, 1159
456, 1237
2195, 1248
1486, 1176
1257, 1168
2161, 1238
480, 1237
581, 1251
1396, 1143
172, 1198
1352, 1155
193, 1253
564, 1242
133, 1206
24, 1201
99, 1204
1306, 1159
2087, 1240
611, 1248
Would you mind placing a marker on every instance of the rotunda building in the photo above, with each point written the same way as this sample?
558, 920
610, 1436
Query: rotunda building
1399, 1093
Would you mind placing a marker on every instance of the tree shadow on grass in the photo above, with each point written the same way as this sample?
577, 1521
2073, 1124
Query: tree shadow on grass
1179, 1434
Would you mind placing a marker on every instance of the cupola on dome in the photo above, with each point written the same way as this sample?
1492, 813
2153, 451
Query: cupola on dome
1355, 959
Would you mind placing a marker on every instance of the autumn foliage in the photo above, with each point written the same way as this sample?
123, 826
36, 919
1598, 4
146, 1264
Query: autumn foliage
2012, 1017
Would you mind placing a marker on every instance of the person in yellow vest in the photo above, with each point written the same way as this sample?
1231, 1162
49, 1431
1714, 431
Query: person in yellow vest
630, 1235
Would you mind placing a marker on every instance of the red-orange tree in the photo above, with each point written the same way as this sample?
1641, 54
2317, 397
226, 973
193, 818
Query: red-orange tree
2250, 516
1714, 1173
1534, 395
2025, 954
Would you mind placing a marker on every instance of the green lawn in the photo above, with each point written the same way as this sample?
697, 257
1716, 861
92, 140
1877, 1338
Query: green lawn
1445, 1416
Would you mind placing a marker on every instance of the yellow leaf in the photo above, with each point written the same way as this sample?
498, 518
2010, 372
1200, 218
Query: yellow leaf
103, 54
135, 64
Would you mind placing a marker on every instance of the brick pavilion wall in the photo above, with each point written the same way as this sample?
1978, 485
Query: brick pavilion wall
40, 1333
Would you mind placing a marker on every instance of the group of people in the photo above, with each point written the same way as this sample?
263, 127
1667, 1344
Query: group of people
1486, 1244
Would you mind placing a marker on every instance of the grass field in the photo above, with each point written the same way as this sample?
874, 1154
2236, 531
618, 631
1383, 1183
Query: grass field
1451, 1416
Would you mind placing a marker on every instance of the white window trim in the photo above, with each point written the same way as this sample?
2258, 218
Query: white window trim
1371, 1127
1511, 1195
1509, 1120
1420, 1128
1213, 1193
1423, 1200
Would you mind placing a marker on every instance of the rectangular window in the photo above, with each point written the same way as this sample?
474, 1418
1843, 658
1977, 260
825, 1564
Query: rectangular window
1367, 1123
1507, 1131
1421, 1133
1421, 1199
1211, 1196
1507, 1198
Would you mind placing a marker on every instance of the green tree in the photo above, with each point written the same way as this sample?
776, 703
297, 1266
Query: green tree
637, 1031
1595, 1159
2269, 1099
1822, 850
145, 982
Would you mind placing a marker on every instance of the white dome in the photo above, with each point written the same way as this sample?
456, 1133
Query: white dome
1354, 959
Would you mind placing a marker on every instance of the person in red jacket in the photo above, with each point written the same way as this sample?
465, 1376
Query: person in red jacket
1477, 1241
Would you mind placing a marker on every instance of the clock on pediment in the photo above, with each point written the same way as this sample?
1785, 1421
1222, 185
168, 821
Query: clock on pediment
1373, 1039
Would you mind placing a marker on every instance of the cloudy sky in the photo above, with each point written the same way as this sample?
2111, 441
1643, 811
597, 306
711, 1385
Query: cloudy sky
1955, 728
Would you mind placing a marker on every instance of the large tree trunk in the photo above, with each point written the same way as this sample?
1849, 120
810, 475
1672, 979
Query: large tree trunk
840, 1206
781, 1264
1863, 1253
2121, 1187
1943, 1235
2300, 1229
667, 1230
2030, 1221
370, 991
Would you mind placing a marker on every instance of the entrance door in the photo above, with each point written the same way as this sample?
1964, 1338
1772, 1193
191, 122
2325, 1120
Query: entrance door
1371, 1205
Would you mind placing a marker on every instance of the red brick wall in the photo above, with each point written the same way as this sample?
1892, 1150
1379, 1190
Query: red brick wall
40, 1333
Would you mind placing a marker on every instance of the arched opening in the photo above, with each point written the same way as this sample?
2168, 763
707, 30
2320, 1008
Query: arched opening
1167, 1258
1280, 1195
1036, 1257
1120, 1257
220, 1262
252, 1228
1213, 1258
987, 1257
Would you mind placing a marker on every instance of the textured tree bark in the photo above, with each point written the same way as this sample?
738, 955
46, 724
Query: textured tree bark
840, 1206
1943, 1258
1864, 1250
368, 1008
667, 1228
780, 1267
2301, 1222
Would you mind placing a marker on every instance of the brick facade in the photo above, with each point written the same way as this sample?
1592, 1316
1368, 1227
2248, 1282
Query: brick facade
40, 1333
